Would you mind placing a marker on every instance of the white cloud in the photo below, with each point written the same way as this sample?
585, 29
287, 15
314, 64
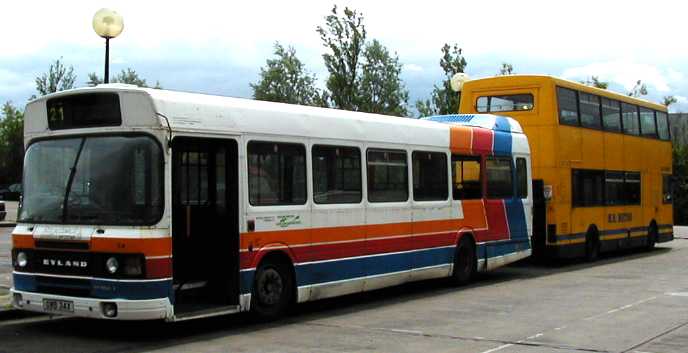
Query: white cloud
624, 42
413, 68
624, 73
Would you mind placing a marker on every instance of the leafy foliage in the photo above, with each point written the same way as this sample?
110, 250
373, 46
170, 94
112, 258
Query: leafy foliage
285, 79
11, 144
58, 78
668, 100
640, 89
380, 88
506, 69
344, 36
363, 76
128, 76
443, 100
595, 82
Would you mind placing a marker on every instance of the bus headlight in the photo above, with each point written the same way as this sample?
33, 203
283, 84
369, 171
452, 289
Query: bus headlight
22, 259
112, 265
132, 266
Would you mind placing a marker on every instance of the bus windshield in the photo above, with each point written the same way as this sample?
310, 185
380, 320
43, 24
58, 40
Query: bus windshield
108, 180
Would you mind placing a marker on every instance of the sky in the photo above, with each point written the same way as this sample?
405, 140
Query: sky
218, 47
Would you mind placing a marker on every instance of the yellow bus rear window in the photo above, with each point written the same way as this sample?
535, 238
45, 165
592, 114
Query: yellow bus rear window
504, 103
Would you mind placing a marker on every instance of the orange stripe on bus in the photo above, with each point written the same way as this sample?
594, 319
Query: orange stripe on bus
474, 217
24, 241
474, 213
146, 246
460, 139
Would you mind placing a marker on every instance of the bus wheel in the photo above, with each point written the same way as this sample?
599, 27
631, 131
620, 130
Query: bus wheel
592, 244
273, 288
652, 234
464, 261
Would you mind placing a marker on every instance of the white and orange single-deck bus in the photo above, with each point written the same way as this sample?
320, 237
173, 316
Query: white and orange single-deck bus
152, 204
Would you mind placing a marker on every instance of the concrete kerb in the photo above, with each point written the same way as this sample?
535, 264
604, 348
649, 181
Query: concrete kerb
6, 309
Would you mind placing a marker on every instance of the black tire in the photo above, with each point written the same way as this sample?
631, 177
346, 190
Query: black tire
592, 245
273, 289
652, 234
464, 261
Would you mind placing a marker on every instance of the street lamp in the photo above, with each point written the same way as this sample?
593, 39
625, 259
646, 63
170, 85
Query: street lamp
107, 24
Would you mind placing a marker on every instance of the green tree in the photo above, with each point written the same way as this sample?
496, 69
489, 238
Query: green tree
380, 89
11, 144
668, 100
595, 82
599, 84
128, 76
58, 78
443, 100
640, 89
506, 69
344, 37
285, 79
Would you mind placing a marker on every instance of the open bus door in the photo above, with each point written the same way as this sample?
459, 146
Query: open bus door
205, 225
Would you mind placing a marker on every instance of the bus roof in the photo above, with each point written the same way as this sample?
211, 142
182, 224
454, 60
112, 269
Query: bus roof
486, 121
215, 115
519, 81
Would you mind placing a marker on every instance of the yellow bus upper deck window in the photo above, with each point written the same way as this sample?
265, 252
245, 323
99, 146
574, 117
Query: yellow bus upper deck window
504, 103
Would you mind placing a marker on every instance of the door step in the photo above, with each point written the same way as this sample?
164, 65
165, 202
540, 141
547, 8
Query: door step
209, 311
190, 285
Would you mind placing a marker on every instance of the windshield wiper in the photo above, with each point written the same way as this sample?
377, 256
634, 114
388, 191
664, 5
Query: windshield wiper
70, 180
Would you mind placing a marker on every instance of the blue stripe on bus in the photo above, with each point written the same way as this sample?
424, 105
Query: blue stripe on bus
516, 217
345, 269
502, 143
490, 250
502, 124
100, 289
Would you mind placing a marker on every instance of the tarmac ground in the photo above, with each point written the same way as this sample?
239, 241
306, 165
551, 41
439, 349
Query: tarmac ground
625, 302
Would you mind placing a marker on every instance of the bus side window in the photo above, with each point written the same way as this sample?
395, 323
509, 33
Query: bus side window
521, 178
276, 173
466, 181
387, 175
336, 174
499, 178
429, 176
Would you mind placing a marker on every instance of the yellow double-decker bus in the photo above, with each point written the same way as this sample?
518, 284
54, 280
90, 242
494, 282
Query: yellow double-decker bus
601, 162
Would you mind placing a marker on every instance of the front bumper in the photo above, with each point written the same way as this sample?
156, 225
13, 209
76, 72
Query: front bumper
148, 309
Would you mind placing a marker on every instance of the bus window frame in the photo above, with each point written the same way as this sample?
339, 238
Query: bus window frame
408, 176
654, 122
261, 140
501, 94
412, 182
602, 127
486, 188
559, 120
360, 170
163, 167
481, 175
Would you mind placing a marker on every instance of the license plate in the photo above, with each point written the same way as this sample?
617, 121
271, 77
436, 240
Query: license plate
58, 306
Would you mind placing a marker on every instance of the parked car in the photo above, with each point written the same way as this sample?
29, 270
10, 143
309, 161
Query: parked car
11, 193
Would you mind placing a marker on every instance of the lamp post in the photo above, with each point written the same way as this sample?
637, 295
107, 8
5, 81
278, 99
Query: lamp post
107, 24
